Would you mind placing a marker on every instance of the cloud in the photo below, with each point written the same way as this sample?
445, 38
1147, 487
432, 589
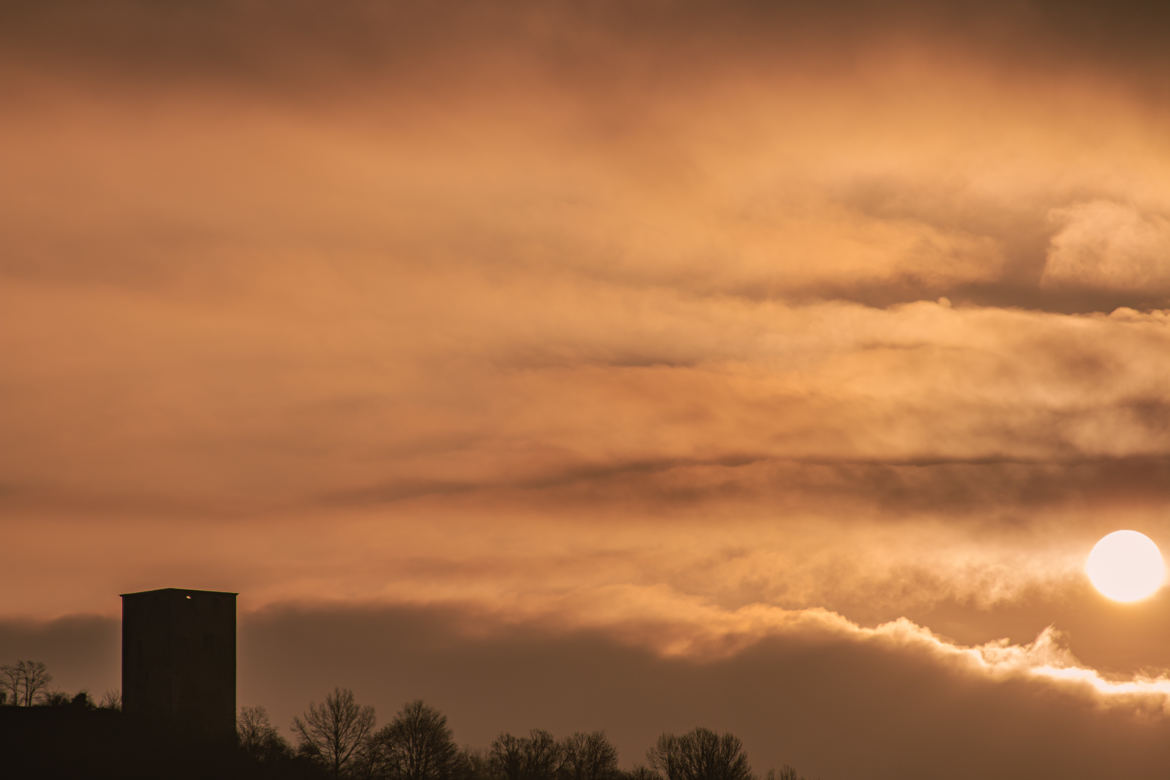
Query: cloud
811, 688
872, 461
820, 693
258, 41
527, 308
1101, 244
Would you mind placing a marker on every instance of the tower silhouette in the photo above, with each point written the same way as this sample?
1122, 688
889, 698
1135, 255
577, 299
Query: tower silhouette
179, 661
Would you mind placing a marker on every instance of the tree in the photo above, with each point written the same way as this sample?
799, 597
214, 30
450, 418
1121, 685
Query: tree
333, 731
641, 772
506, 758
416, 745
700, 755
258, 737
535, 757
111, 700
783, 773
588, 757
81, 701
473, 764
25, 682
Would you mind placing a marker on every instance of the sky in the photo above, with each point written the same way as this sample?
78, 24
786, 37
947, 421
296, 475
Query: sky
771, 367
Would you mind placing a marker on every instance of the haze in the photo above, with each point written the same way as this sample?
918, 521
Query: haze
632, 366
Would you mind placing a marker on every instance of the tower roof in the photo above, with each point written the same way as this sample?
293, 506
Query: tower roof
180, 590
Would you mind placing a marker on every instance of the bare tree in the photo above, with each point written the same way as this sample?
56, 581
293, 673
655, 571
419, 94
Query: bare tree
10, 681
253, 727
25, 682
111, 700
588, 757
333, 732
473, 764
416, 745
258, 737
785, 772
506, 758
700, 755
535, 757
641, 772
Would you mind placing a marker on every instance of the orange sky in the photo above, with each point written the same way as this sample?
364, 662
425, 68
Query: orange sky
681, 332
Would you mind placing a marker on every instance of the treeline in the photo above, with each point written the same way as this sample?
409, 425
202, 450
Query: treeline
26, 684
341, 738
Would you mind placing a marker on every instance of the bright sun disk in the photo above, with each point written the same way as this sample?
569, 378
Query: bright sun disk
1126, 566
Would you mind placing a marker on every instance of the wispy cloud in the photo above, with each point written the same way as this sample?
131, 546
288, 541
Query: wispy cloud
697, 326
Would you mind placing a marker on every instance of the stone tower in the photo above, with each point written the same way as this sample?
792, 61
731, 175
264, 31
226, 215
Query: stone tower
179, 661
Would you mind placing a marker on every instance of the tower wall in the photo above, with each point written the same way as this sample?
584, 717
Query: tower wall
179, 661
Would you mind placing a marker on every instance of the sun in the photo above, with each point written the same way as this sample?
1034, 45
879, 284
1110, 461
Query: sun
1126, 566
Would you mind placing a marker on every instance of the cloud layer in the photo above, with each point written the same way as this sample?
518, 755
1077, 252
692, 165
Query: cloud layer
812, 688
691, 327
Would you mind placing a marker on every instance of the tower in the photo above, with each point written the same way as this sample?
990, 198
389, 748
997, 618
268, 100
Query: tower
179, 661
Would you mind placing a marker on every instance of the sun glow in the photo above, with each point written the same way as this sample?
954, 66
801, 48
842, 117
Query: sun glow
1126, 566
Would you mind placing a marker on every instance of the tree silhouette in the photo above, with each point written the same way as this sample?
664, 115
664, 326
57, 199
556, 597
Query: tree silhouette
416, 745
641, 772
473, 764
25, 682
81, 701
783, 773
258, 737
535, 757
332, 732
700, 755
506, 758
588, 757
